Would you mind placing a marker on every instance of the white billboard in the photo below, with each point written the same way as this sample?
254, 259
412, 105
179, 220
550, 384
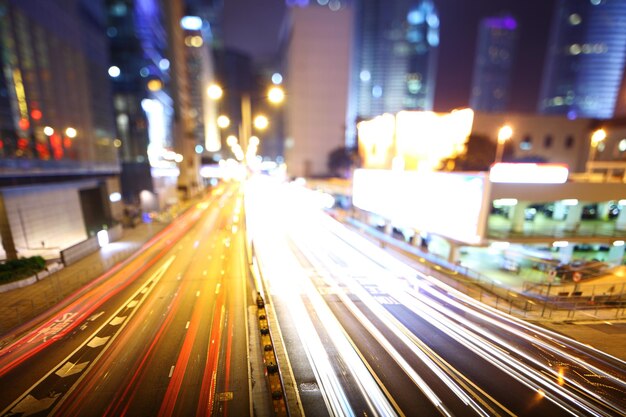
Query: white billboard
448, 204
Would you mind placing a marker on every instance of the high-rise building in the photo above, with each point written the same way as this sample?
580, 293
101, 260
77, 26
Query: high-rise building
394, 58
316, 80
143, 106
201, 74
585, 60
189, 181
58, 150
493, 63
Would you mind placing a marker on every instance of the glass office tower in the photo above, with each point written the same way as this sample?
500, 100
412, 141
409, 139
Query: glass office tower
585, 59
394, 58
493, 63
58, 150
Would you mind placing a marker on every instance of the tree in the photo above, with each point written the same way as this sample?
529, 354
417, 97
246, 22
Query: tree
480, 153
341, 161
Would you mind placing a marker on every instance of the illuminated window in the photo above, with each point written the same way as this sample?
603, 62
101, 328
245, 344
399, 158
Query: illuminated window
526, 144
334, 5
575, 49
119, 9
569, 142
622, 145
547, 141
574, 19
433, 37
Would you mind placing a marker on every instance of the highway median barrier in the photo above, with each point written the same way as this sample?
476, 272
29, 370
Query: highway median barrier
274, 377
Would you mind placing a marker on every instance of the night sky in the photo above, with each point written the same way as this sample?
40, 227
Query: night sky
253, 26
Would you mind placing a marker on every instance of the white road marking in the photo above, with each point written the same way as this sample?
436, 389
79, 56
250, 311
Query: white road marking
171, 371
117, 320
70, 368
217, 288
132, 304
187, 325
97, 341
31, 405
95, 316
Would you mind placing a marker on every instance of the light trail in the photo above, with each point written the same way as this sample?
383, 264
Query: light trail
437, 307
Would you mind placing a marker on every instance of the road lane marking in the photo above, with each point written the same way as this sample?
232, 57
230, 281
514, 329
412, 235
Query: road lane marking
171, 371
97, 341
70, 368
197, 293
132, 304
117, 320
55, 327
25, 399
94, 317
32, 405
187, 325
217, 288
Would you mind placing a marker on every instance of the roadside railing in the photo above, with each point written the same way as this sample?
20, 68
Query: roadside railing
537, 300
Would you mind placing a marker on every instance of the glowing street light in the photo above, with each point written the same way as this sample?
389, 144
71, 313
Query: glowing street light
504, 134
214, 92
223, 122
261, 122
231, 141
70, 132
276, 95
597, 137
48, 131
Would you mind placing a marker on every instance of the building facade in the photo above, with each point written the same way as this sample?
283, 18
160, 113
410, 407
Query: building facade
493, 64
585, 61
139, 74
394, 58
58, 149
316, 81
188, 163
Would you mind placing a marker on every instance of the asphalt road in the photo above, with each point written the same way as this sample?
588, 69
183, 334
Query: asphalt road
164, 334
430, 349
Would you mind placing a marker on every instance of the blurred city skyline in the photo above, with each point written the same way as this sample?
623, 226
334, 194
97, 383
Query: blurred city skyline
254, 27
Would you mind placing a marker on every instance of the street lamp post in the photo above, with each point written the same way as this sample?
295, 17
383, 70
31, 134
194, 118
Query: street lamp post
597, 137
275, 95
504, 134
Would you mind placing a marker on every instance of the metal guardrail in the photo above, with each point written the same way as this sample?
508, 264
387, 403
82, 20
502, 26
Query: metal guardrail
487, 290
